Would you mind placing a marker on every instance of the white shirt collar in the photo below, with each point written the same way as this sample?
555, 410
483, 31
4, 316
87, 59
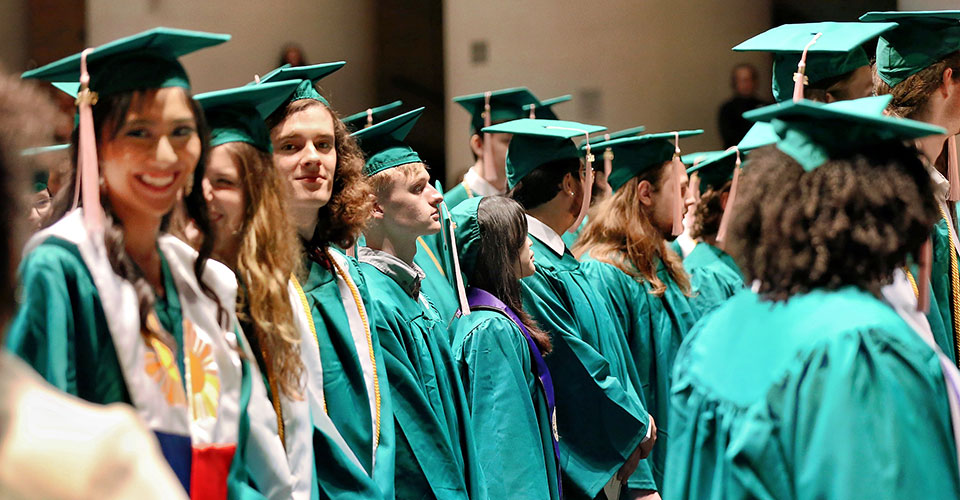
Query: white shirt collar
547, 236
478, 185
941, 186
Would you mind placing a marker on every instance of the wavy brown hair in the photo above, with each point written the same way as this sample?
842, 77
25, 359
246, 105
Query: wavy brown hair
503, 232
708, 212
269, 253
621, 234
343, 218
911, 95
851, 221
109, 115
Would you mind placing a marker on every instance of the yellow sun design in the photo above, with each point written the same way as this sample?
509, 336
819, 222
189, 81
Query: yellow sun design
203, 375
161, 366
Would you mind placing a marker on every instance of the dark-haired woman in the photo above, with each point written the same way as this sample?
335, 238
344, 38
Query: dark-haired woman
114, 310
813, 387
500, 350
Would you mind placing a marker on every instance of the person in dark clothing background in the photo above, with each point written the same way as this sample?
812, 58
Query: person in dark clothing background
743, 81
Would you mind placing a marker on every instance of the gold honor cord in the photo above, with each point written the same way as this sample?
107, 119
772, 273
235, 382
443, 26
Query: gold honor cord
954, 290
467, 189
313, 328
430, 254
366, 326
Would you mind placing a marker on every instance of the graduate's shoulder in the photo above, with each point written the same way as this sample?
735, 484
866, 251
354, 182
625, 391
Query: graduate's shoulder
485, 326
55, 256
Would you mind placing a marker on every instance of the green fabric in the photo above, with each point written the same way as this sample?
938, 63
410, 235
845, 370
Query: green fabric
627, 132
654, 327
820, 66
921, 39
436, 285
358, 121
760, 134
345, 391
456, 196
537, 142
714, 277
634, 155
810, 132
544, 110
307, 76
383, 144
237, 114
505, 105
436, 453
940, 313
467, 234
716, 170
600, 418
508, 405
829, 395
147, 60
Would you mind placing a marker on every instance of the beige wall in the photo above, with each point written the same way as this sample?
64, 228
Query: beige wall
663, 64
13, 35
328, 30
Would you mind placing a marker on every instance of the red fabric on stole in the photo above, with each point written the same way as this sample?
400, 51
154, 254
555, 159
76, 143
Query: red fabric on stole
210, 468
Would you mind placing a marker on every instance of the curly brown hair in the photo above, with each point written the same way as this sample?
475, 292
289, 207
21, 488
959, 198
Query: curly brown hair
27, 119
911, 95
851, 221
343, 218
621, 234
269, 253
708, 212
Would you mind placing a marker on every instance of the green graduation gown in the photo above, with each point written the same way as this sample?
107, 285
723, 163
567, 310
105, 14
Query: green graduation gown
345, 392
60, 330
714, 276
436, 285
436, 454
508, 406
600, 417
569, 238
829, 395
457, 195
944, 268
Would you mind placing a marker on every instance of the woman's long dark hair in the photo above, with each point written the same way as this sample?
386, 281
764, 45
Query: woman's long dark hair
503, 232
108, 118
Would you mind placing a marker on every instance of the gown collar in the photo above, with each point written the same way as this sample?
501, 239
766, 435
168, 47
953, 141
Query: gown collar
407, 276
547, 236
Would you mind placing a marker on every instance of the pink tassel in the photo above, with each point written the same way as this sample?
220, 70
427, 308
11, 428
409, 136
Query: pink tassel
487, 141
607, 158
731, 199
799, 79
923, 280
587, 187
953, 170
88, 168
369, 117
533, 111
678, 201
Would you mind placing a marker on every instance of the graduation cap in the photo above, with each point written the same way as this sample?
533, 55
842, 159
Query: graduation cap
811, 132
367, 118
715, 169
544, 109
383, 144
694, 159
608, 154
307, 76
537, 142
831, 49
760, 134
637, 154
920, 39
467, 233
237, 114
505, 105
147, 60
44, 149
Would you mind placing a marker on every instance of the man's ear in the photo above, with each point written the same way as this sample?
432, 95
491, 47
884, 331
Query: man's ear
645, 193
570, 185
377, 212
723, 200
476, 145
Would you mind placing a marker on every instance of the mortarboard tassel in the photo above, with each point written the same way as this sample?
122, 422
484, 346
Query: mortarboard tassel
953, 170
799, 78
731, 199
607, 158
88, 168
457, 277
678, 202
487, 144
533, 111
369, 117
923, 280
587, 181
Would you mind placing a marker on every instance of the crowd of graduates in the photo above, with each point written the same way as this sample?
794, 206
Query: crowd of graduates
274, 301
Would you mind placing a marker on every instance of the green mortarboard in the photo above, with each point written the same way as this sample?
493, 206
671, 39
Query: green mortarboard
760, 134
536, 142
505, 105
716, 169
308, 76
627, 132
544, 109
698, 157
921, 39
635, 155
837, 52
810, 132
383, 145
147, 60
44, 149
369, 116
40, 178
467, 232
237, 114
